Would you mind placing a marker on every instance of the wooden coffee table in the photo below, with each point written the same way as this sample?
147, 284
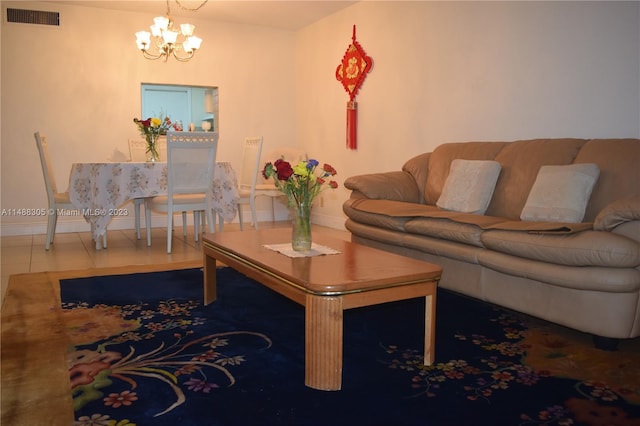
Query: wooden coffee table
326, 286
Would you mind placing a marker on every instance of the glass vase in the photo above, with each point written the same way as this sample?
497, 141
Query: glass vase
152, 147
301, 226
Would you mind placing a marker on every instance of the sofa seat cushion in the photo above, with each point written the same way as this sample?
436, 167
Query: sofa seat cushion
587, 278
404, 243
445, 229
409, 211
414, 210
588, 248
395, 223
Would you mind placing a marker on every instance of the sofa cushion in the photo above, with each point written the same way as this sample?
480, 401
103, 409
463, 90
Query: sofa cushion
538, 275
418, 168
445, 229
617, 213
521, 162
373, 218
408, 211
442, 156
588, 248
618, 161
560, 193
398, 186
469, 186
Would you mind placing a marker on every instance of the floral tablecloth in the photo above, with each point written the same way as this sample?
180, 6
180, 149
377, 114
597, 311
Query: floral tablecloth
99, 190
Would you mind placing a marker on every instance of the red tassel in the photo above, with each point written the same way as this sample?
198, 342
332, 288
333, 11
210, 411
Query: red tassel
352, 124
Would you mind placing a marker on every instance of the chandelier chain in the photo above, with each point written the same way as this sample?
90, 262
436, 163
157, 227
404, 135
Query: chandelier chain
189, 9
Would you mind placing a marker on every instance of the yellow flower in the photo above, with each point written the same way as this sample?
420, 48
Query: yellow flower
156, 122
301, 169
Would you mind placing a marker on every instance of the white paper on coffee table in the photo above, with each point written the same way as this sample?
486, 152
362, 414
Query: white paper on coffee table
287, 250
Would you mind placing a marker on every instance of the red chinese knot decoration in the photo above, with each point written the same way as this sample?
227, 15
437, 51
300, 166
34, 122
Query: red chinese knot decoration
351, 73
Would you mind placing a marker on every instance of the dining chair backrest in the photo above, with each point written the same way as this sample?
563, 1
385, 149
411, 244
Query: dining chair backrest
250, 163
190, 167
288, 153
47, 170
138, 149
192, 137
162, 148
57, 201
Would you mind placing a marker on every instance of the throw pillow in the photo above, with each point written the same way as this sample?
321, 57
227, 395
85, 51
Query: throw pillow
561, 193
469, 186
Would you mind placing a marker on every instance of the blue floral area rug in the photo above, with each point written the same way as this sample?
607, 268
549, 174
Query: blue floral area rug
146, 352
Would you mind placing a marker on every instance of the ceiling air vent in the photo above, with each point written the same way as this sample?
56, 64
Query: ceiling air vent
24, 16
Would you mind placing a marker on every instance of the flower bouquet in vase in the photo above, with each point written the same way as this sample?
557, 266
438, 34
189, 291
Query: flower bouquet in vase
151, 129
301, 184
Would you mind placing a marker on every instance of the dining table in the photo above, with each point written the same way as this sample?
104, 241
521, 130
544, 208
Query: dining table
100, 190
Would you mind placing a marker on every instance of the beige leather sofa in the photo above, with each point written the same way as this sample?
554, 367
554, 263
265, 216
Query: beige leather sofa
582, 273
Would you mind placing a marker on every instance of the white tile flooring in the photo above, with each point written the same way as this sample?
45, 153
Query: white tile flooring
26, 253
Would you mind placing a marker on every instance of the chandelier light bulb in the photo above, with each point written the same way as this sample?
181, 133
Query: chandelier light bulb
155, 31
194, 42
162, 22
143, 39
187, 29
186, 46
170, 37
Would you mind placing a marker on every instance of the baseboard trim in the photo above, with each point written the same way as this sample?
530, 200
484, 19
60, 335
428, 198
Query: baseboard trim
78, 224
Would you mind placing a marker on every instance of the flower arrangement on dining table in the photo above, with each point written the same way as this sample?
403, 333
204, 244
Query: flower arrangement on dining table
301, 184
151, 129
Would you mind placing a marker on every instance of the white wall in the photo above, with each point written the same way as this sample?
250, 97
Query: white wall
443, 71
80, 85
463, 71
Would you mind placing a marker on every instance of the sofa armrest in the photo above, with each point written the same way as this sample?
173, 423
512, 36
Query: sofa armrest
617, 213
396, 186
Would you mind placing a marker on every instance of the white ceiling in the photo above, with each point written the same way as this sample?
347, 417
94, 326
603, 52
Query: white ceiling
291, 15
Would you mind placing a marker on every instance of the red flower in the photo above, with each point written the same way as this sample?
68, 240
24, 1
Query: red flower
327, 168
283, 169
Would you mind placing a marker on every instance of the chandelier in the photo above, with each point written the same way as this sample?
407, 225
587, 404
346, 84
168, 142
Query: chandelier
164, 41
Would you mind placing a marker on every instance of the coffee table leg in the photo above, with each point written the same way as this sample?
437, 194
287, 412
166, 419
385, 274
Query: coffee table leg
323, 342
429, 328
209, 279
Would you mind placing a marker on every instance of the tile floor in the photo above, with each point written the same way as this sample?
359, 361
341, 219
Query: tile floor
34, 368
26, 253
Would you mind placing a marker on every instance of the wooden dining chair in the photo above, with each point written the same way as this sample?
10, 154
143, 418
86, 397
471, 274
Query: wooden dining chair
249, 172
57, 201
190, 168
138, 154
138, 150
